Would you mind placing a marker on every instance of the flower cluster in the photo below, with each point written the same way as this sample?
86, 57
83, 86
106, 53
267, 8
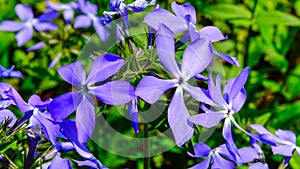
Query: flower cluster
53, 119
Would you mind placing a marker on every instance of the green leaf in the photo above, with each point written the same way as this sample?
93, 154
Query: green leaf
7, 146
227, 11
293, 81
294, 162
271, 85
277, 18
263, 119
276, 59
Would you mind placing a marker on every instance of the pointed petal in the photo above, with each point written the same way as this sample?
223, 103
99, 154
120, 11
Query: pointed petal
166, 50
162, 16
239, 83
201, 150
50, 128
73, 73
86, 163
193, 32
219, 162
48, 16
197, 56
134, 115
286, 135
103, 67
58, 162
259, 165
285, 150
228, 58
101, 30
24, 35
114, 93
82, 21
85, 119
178, 118
248, 154
37, 46
62, 106
213, 33
198, 94
68, 129
185, 11
240, 98
215, 91
207, 120
68, 15
11, 26
24, 12
14, 95
203, 164
45, 26
230, 144
6, 114
151, 88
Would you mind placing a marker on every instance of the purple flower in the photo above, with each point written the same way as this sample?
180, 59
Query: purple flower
113, 92
217, 158
196, 58
185, 20
10, 72
68, 9
286, 140
25, 28
36, 46
5, 113
120, 9
89, 11
227, 105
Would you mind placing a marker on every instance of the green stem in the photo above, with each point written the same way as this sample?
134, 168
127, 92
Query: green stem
146, 148
250, 33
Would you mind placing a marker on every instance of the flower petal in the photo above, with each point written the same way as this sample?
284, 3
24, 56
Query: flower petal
45, 26
58, 162
103, 67
185, 11
240, 98
11, 26
134, 115
215, 91
201, 150
219, 162
24, 12
17, 99
151, 88
85, 119
228, 58
5, 114
73, 73
203, 164
248, 154
50, 128
37, 46
24, 35
239, 83
285, 150
68, 15
207, 120
48, 16
114, 93
162, 16
230, 144
259, 165
166, 50
62, 106
198, 94
213, 33
82, 21
197, 56
286, 135
178, 118
101, 30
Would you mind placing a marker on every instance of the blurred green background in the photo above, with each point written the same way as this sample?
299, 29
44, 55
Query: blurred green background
261, 34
